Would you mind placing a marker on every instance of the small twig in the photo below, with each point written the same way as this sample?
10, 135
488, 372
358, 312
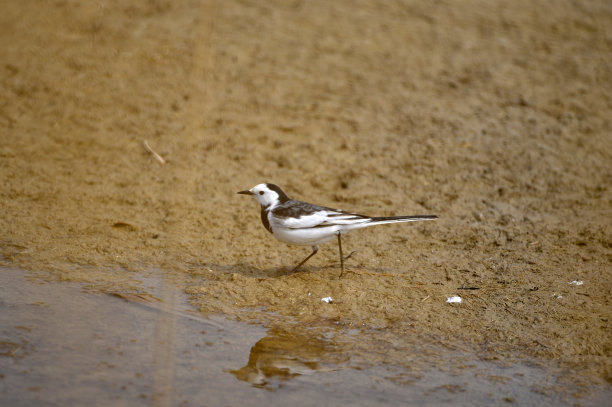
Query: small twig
157, 156
350, 254
426, 298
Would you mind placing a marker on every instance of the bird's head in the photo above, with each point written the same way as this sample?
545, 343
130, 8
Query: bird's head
267, 194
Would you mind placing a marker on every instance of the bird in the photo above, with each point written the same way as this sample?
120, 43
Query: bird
306, 224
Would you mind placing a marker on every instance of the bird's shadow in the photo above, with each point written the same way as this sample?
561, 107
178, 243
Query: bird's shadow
249, 270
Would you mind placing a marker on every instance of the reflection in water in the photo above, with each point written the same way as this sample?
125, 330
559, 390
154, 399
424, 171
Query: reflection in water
283, 355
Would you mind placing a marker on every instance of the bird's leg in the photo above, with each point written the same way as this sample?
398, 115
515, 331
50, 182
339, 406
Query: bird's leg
341, 258
315, 249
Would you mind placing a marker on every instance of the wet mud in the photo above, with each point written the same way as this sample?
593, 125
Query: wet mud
495, 117
62, 346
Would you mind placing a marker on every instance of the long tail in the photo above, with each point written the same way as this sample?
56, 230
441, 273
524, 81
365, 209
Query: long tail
382, 220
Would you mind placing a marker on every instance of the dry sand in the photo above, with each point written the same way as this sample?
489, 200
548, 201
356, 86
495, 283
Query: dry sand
496, 116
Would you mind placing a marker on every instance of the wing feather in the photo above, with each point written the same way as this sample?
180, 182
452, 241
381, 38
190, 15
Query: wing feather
303, 215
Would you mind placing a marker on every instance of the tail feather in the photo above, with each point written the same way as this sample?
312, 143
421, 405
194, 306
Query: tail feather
412, 218
382, 220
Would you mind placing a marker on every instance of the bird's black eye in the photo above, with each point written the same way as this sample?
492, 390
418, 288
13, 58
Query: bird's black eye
261, 192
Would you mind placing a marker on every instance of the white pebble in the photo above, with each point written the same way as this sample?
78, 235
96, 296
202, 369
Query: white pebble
453, 299
328, 300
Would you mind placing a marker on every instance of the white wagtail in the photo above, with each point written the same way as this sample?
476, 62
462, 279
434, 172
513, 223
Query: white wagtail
306, 224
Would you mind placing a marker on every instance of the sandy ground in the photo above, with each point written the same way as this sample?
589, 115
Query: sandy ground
496, 116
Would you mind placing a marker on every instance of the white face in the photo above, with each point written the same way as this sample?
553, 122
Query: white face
264, 195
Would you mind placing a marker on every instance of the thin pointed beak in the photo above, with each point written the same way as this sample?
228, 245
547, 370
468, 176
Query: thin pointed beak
245, 192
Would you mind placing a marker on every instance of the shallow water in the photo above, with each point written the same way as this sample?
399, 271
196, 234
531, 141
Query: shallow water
62, 346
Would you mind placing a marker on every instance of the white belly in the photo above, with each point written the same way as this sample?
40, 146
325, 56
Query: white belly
306, 237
